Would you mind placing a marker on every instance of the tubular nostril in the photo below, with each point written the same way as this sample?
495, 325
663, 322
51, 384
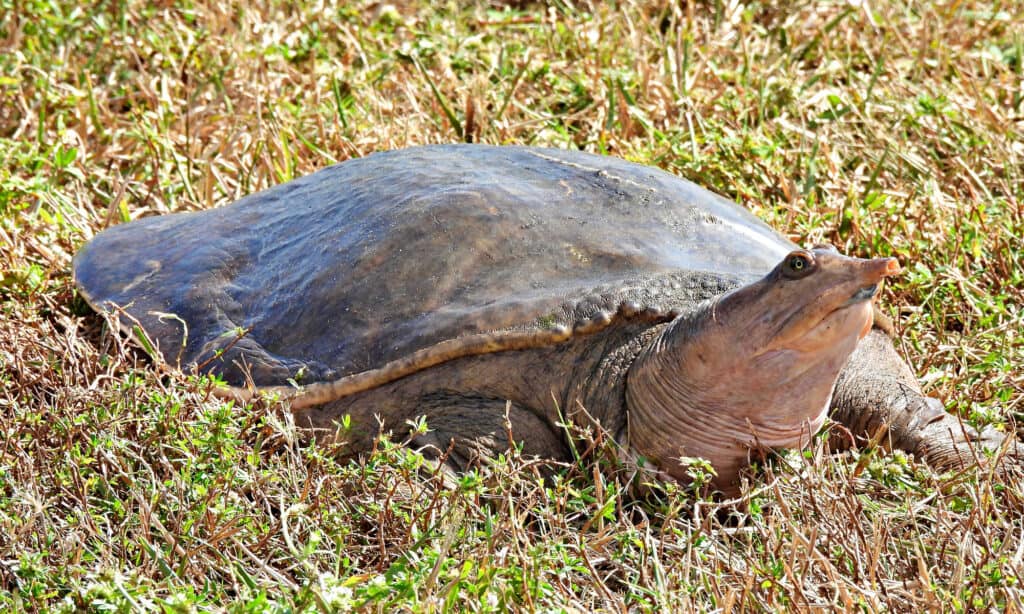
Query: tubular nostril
880, 268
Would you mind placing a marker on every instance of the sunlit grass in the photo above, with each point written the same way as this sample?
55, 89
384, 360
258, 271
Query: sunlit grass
885, 128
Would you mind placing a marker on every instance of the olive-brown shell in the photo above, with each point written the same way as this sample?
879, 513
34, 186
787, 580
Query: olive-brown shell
375, 259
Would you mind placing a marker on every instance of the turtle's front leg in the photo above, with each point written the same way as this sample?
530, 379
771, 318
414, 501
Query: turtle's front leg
876, 389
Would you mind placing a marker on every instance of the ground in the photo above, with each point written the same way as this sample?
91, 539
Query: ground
887, 128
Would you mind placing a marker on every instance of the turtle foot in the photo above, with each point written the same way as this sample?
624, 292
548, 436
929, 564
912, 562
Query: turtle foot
878, 399
242, 359
951, 444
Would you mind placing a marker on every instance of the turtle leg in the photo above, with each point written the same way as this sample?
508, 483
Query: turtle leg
466, 429
876, 389
240, 359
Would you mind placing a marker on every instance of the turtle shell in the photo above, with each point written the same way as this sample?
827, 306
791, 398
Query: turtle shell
375, 259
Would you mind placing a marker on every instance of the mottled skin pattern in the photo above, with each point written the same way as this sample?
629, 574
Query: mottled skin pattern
378, 262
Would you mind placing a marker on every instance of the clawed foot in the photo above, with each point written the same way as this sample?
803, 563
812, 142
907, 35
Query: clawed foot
950, 444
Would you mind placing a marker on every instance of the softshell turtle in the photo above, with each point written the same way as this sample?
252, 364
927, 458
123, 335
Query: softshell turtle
473, 284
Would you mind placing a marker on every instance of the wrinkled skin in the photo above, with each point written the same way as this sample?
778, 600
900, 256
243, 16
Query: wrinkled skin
471, 283
754, 367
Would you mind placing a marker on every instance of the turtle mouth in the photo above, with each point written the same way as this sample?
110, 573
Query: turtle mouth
829, 317
863, 294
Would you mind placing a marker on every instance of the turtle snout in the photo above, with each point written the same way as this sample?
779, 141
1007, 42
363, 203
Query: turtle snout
871, 274
885, 267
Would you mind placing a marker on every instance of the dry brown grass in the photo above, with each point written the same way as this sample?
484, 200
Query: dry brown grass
884, 127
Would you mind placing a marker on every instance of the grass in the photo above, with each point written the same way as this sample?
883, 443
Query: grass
886, 128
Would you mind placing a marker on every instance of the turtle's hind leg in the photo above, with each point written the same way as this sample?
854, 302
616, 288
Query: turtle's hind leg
876, 389
466, 429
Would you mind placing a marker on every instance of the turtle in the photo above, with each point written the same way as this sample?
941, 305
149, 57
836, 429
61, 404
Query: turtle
502, 292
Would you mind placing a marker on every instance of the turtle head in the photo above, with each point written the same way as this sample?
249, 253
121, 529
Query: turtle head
812, 305
754, 367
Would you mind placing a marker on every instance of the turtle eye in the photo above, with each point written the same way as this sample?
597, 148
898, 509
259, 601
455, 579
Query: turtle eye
798, 264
